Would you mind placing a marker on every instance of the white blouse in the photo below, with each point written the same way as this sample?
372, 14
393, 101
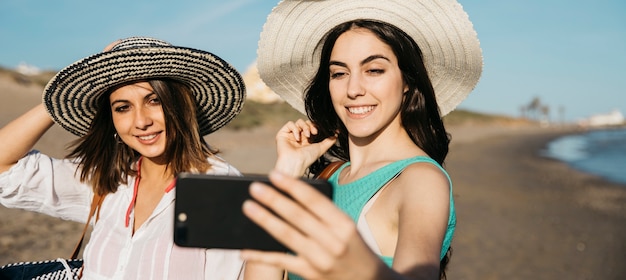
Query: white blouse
52, 186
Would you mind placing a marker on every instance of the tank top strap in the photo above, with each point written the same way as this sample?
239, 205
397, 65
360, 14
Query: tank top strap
352, 197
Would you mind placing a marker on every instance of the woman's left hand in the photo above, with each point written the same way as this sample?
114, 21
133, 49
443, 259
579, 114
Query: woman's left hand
324, 240
295, 151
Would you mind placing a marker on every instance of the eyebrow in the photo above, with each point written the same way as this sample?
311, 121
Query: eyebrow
147, 96
363, 62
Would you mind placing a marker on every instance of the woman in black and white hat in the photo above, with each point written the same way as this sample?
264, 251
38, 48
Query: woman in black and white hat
140, 109
375, 78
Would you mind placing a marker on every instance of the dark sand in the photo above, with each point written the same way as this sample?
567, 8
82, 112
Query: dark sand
520, 216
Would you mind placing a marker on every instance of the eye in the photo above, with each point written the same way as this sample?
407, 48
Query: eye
121, 108
154, 100
376, 71
337, 74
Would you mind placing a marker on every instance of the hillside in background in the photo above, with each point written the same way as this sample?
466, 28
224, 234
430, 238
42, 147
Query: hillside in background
261, 108
276, 114
41, 78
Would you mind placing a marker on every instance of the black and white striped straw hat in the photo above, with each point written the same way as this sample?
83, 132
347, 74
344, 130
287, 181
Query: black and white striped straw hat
290, 44
72, 95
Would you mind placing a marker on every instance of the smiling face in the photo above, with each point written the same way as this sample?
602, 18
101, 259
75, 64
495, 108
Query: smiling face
138, 119
366, 85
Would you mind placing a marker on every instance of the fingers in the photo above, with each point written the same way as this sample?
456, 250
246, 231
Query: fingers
327, 143
294, 223
295, 152
309, 213
307, 196
299, 129
271, 223
299, 231
111, 45
328, 215
322, 237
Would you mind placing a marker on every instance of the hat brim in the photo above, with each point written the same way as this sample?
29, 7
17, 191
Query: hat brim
71, 95
290, 43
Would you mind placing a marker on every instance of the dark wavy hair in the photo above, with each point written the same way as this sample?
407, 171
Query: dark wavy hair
106, 163
419, 112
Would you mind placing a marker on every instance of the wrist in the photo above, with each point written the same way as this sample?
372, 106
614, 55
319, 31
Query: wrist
290, 167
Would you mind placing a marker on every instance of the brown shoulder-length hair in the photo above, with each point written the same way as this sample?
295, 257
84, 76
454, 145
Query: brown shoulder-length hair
419, 111
105, 162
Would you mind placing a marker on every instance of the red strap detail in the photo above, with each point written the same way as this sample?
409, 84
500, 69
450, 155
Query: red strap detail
136, 188
134, 199
171, 186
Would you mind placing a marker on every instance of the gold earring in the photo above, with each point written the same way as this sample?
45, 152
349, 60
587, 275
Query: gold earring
117, 138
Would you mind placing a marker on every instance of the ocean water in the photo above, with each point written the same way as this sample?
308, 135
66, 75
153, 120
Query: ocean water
600, 152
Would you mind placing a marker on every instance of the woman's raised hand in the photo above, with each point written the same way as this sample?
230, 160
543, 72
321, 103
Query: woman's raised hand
295, 151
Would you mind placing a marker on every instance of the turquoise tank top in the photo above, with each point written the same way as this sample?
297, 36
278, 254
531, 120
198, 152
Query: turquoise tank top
352, 197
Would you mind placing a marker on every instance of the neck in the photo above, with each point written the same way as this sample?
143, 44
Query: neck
155, 171
389, 146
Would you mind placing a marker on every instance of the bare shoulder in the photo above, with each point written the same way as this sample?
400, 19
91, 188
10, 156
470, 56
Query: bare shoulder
421, 181
420, 173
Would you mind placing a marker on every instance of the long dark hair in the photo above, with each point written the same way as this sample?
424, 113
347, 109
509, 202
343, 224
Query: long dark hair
106, 162
419, 111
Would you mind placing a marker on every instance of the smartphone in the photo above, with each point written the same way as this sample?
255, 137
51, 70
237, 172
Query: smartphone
208, 214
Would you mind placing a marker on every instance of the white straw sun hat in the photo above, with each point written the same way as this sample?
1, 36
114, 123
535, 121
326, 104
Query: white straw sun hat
291, 41
71, 96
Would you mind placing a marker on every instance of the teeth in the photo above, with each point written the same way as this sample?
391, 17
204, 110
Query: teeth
147, 137
360, 110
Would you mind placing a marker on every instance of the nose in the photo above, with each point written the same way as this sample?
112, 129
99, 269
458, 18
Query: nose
355, 88
143, 119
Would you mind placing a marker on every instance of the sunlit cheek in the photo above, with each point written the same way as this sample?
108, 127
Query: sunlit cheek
121, 124
337, 92
337, 104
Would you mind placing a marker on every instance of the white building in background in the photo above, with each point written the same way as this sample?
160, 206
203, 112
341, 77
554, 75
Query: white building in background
615, 117
27, 69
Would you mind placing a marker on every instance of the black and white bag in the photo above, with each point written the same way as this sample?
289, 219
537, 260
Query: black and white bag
61, 269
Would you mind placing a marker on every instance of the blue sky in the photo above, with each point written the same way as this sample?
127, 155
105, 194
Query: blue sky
569, 54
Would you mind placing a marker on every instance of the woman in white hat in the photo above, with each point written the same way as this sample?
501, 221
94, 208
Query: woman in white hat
140, 109
375, 78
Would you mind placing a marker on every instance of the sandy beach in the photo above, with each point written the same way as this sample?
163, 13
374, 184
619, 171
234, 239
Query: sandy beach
520, 215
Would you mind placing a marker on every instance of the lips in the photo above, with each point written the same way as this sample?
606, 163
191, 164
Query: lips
360, 110
147, 137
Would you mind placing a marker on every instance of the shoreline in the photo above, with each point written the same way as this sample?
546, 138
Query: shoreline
580, 151
525, 216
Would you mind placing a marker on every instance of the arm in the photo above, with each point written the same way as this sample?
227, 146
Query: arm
295, 152
41, 183
422, 192
326, 242
20, 135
